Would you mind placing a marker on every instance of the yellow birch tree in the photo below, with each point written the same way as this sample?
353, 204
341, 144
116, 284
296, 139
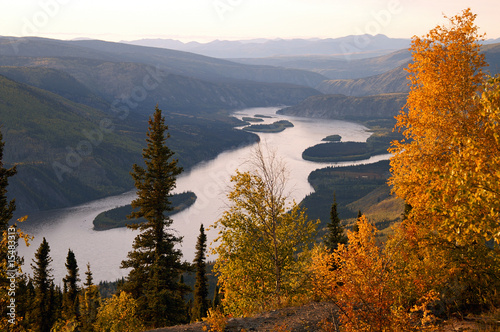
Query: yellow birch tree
262, 241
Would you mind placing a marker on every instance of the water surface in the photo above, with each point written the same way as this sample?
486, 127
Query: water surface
104, 250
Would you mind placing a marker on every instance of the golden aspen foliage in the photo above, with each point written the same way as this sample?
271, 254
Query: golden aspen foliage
119, 314
366, 299
373, 286
448, 170
447, 167
263, 241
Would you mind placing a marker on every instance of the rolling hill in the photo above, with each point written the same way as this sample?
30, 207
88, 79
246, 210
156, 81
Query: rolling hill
342, 107
170, 61
69, 153
395, 80
140, 86
336, 66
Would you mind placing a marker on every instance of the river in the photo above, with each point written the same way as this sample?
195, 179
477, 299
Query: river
72, 227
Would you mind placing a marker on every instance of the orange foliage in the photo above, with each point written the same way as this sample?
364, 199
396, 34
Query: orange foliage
448, 167
375, 288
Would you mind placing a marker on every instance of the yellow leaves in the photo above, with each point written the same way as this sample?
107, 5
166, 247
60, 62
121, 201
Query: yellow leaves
448, 168
262, 243
324, 284
216, 321
380, 288
119, 314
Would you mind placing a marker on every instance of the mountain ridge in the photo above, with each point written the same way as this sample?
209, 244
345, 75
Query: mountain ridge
271, 47
173, 61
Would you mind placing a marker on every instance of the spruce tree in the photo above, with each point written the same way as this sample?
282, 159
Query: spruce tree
90, 302
6, 207
216, 302
44, 289
89, 280
335, 235
71, 305
154, 262
355, 228
200, 304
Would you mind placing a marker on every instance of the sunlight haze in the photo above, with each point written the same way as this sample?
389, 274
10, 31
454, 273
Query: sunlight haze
208, 20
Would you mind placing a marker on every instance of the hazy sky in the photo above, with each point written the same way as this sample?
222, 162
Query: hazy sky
206, 20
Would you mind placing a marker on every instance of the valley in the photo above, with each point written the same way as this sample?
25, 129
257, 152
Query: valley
74, 113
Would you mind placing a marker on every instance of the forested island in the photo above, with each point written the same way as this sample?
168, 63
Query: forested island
377, 143
274, 127
117, 217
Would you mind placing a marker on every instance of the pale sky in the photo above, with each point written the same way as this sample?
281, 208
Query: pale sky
206, 20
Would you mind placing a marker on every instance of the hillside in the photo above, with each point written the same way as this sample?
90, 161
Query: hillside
395, 80
384, 106
389, 82
41, 129
336, 66
69, 153
57, 82
115, 82
171, 61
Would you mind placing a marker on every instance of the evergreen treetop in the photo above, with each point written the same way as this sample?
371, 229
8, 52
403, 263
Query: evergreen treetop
200, 304
335, 235
154, 261
44, 288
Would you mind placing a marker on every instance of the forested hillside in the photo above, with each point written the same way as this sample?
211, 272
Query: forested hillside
171, 61
337, 66
382, 106
68, 153
393, 80
73, 113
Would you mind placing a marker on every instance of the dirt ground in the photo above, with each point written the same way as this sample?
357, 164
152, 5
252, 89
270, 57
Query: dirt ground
309, 318
294, 319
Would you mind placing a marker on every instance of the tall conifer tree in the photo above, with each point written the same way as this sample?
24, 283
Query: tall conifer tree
90, 302
155, 264
335, 235
71, 287
200, 304
44, 288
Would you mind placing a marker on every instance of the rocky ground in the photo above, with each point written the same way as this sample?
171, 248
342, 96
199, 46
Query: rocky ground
312, 317
305, 318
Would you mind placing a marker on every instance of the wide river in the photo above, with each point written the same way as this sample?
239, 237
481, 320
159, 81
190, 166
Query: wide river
72, 227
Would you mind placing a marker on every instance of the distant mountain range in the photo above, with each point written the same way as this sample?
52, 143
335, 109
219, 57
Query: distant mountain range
354, 46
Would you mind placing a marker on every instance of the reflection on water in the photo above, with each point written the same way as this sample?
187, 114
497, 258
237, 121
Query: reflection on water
72, 227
